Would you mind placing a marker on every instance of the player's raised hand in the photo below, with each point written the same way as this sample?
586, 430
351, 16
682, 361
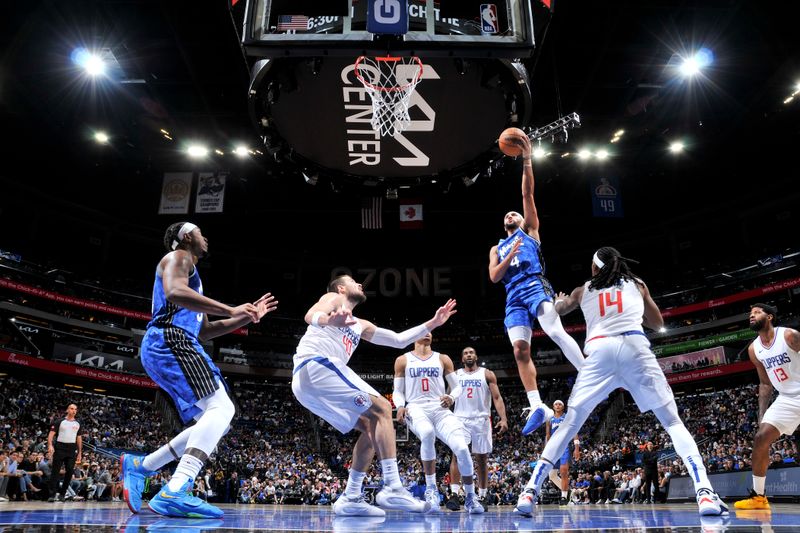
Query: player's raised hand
444, 313
522, 141
515, 249
266, 304
341, 318
249, 311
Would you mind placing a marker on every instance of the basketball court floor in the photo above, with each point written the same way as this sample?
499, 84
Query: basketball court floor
79, 517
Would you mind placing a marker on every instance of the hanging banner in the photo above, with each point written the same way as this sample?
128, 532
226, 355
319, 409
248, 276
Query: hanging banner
175, 193
210, 192
713, 372
606, 198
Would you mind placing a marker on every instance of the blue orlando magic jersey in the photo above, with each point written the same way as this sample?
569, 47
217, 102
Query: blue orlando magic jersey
528, 262
166, 313
555, 421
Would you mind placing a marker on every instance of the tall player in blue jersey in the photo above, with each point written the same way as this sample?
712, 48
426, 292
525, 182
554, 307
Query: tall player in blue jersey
517, 262
173, 357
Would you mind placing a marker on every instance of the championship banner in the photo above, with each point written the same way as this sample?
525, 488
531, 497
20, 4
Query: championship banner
713, 372
175, 193
210, 192
714, 340
690, 361
77, 371
606, 198
86, 304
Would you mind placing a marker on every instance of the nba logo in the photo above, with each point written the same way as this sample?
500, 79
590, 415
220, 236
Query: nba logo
489, 18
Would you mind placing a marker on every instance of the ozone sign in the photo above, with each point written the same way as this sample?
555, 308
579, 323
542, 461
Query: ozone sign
455, 117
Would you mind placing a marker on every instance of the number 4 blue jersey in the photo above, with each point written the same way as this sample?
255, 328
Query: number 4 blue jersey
528, 262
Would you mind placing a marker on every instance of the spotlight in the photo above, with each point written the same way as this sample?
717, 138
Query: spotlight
539, 153
601, 154
94, 66
101, 137
676, 147
196, 150
689, 67
241, 151
584, 154
619, 133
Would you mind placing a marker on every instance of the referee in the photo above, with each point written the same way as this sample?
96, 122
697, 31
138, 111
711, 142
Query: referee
65, 450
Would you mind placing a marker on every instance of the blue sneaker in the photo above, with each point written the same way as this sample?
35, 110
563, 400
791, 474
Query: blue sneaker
133, 476
536, 417
182, 504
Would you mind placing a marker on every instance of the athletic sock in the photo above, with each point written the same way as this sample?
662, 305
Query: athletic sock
391, 475
354, 482
758, 484
187, 469
430, 481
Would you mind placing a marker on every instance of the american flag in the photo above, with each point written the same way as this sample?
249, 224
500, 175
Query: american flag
292, 22
371, 213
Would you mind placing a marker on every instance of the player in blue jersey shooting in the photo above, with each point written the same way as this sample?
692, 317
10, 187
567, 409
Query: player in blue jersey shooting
174, 358
517, 262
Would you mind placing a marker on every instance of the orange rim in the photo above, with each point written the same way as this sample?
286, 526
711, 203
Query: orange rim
386, 59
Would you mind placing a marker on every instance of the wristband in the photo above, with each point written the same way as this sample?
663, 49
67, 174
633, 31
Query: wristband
315, 319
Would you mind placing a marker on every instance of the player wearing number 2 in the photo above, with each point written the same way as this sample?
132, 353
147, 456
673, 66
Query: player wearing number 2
419, 394
324, 384
775, 356
615, 304
517, 262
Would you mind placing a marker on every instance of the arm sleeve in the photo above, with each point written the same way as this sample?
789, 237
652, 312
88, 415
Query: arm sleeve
385, 337
455, 386
399, 392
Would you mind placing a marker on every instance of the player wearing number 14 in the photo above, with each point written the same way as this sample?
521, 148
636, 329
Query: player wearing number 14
775, 355
616, 304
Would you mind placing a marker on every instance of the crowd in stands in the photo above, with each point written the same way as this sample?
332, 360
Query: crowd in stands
278, 453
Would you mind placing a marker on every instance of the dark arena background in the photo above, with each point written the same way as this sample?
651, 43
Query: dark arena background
668, 130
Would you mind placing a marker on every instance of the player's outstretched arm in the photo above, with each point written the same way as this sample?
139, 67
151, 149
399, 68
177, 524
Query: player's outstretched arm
330, 311
566, 304
175, 269
530, 216
385, 337
242, 317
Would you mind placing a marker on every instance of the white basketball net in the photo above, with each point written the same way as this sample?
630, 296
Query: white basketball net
390, 82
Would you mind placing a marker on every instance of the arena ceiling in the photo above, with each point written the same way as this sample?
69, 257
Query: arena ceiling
731, 196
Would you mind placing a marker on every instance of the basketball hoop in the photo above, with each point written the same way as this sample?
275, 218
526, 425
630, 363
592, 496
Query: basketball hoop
390, 82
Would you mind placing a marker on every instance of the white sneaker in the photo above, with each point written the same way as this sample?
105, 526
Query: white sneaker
526, 502
472, 505
345, 506
400, 499
432, 497
709, 503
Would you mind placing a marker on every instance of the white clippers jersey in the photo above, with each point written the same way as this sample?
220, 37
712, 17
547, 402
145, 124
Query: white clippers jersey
336, 344
781, 363
475, 394
612, 310
424, 379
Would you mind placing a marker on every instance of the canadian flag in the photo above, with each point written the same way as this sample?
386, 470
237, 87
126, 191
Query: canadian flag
410, 214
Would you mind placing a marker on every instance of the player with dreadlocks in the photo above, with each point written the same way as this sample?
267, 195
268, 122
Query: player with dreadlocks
616, 303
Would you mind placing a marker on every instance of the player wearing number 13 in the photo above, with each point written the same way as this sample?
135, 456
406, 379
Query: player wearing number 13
775, 356
324, 384
615, 304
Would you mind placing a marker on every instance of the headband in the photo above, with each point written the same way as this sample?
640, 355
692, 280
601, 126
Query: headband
186, 228
596, 260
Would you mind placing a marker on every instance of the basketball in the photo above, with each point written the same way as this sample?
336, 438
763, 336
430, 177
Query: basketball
507, 145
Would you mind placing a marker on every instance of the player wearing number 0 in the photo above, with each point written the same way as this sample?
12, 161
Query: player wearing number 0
423, 405
775, 356
517, 262
324, 384
615, 304
473, 408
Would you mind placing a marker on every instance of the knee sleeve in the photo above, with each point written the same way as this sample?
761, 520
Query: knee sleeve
519, 333
218, 411
427, 446
555, 478
668, 415
461, 451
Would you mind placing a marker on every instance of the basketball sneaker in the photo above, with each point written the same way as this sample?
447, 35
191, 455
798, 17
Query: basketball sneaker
346, 506
709, 503
133, 477
452, 503
182, 504
472, 505
432, 497
755, 501
536, 416
400, 499
526, 502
